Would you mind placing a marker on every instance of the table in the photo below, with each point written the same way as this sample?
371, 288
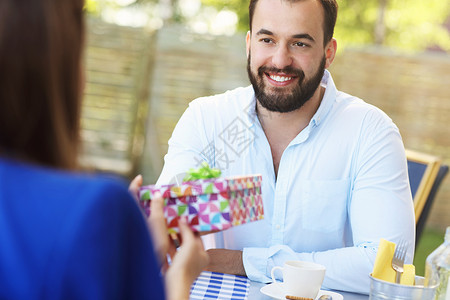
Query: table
255, 294
212, 285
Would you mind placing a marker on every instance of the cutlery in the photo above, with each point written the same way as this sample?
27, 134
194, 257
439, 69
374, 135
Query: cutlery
399, 259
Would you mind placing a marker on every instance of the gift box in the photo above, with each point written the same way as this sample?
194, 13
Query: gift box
208, 204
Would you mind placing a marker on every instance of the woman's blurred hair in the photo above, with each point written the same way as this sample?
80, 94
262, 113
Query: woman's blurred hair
41, 45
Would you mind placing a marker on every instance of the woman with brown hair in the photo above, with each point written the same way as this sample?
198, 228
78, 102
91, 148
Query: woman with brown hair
65, 234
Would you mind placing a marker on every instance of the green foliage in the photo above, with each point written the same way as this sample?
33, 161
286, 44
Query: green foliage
412, 25
355, 23
240, 7
418, 25
428, 242
95, 7
91, 6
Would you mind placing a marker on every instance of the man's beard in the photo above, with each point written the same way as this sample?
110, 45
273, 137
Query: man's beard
281, 99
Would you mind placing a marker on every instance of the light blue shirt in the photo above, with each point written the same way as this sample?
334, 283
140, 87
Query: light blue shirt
342, 183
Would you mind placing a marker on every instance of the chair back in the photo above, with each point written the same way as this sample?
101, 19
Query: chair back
443, 170
425, 176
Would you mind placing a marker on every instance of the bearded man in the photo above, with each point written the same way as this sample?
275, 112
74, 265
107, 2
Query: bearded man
334, 168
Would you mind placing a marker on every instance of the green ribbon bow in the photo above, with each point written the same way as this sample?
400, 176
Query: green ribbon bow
204, 172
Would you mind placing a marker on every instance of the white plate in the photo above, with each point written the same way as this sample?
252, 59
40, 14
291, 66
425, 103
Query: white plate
272, 290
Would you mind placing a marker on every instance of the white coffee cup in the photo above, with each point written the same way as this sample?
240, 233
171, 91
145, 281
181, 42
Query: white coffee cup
300, 278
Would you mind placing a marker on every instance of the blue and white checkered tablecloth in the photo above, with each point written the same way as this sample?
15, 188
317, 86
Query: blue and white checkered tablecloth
211, 285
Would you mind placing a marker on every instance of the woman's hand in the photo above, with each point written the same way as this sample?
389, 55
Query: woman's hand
158, 230
134, 186
190, 259
156, 224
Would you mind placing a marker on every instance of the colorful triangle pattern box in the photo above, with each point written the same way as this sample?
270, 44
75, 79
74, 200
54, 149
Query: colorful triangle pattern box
209, 204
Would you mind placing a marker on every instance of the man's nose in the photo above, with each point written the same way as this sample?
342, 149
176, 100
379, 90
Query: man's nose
282, 57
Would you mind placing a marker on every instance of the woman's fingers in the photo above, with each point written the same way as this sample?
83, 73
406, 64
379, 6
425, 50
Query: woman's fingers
158, 227
157, 209
134, 186
190, 259
185, 231
192, 247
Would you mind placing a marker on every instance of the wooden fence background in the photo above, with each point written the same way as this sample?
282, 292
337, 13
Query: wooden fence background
117, 63
139, 84
186, 66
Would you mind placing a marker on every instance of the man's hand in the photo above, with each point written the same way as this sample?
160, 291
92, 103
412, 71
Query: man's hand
225, 261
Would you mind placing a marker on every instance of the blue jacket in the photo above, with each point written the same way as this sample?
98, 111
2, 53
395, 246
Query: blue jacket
72, 236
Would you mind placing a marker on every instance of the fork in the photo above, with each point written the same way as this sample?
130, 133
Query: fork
399, 259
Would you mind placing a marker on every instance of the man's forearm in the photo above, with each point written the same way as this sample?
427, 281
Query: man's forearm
226, 261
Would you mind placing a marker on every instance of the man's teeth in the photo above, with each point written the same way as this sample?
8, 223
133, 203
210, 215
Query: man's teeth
280, 78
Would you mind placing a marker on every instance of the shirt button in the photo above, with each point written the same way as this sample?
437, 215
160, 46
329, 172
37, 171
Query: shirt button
277, 227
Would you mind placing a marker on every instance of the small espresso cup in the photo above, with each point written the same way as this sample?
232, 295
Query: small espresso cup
300, 278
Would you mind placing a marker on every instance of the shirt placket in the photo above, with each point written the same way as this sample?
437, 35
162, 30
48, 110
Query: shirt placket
281, 189
279, 211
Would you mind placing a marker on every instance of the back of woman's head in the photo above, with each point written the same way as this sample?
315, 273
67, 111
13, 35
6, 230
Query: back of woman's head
41, 45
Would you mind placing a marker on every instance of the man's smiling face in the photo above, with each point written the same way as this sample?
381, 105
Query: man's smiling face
286, 56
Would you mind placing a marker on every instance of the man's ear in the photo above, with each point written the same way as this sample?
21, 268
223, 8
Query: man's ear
247, 42
330, 52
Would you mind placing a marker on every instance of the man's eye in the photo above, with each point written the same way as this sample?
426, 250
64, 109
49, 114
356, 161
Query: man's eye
300, 44
266, 40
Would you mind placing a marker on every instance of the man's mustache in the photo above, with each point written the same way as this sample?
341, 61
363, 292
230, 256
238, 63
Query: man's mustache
288, 71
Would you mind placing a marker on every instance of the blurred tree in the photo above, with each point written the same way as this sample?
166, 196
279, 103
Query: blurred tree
168, 10
409, 25
240, 7
95, 7
380, 28
417, 24
412, 25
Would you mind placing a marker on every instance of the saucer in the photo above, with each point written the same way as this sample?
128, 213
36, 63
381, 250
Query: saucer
272, 290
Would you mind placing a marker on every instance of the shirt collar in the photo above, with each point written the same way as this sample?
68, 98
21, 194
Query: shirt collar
250, 108
327, 100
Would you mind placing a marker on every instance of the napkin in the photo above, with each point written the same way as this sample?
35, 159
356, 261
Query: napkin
382, 268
